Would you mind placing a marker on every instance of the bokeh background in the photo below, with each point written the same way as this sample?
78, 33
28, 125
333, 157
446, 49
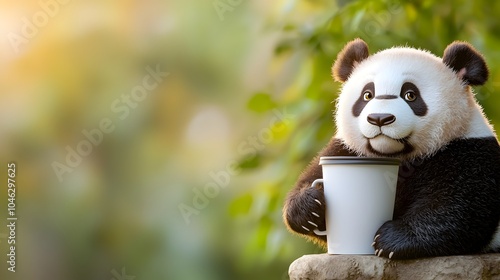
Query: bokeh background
247, 103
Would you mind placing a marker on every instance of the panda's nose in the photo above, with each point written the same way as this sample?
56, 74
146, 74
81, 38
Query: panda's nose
381, 119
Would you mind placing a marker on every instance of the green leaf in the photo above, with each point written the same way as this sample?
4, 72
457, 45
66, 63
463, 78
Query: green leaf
289, 27
241, 205
259, 241
261, 102
251, 162
283, 47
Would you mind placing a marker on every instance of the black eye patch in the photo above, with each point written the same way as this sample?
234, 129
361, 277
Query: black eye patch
418, 105
360, 104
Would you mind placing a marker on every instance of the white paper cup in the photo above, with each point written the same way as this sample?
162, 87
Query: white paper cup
359, 195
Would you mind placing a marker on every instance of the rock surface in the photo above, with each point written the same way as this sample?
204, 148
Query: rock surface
324, 266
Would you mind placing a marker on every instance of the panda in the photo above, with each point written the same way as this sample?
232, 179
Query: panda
409, 104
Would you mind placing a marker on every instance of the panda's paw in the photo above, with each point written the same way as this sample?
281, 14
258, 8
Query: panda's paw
380, 251
391, 241
306, 214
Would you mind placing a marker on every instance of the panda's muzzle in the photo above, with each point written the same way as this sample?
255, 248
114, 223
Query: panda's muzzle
381, 119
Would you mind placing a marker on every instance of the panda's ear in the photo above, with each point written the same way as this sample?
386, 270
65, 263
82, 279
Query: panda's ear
467, 62
352, 54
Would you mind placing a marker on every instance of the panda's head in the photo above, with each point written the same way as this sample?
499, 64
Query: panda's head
404, 102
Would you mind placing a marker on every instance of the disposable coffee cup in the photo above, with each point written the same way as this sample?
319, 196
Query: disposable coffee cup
359, 196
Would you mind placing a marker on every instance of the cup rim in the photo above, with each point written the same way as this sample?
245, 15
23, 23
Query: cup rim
326, 160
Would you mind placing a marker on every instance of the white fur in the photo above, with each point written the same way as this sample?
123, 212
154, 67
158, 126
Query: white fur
495, 242
452, 109
479, 126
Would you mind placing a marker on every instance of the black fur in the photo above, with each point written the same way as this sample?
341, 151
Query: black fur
418, 106
385, 96
360, 104
462, 56
353, 53
446, 204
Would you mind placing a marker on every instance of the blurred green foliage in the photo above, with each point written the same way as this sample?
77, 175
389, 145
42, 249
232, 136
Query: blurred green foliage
252, 87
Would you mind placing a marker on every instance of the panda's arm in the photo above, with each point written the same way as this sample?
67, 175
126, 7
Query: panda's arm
304, 209
451, 204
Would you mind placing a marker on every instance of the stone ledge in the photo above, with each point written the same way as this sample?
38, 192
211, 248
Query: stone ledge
324, 266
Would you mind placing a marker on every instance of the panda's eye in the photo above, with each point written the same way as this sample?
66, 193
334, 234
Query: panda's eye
367, 95
410, 96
